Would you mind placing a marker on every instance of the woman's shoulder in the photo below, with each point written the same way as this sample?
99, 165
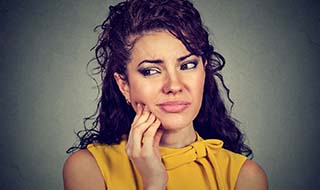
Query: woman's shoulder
252, 176
80, 171
101, 151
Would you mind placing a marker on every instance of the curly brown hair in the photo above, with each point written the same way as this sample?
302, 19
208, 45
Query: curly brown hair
113, 116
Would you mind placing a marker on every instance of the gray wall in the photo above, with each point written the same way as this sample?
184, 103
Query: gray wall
272, 50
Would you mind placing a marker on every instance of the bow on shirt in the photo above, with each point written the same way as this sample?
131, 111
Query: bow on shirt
199, 152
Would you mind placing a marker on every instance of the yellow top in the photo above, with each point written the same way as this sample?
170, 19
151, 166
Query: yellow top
203, 165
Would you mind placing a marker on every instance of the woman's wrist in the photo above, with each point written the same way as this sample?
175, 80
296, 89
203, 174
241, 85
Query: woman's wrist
154, 187
156, 184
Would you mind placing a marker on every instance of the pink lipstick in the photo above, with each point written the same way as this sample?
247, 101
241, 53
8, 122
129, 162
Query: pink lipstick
174, 106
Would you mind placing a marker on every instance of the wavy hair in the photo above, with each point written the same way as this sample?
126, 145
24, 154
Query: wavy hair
131, 19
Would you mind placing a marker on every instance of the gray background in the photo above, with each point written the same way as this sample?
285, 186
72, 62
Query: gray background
272, 50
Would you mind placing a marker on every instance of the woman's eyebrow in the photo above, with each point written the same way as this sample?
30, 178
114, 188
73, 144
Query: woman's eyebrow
184, 57
159, 61
156, 61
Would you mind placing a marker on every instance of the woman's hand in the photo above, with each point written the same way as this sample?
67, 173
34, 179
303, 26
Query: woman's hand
143, 149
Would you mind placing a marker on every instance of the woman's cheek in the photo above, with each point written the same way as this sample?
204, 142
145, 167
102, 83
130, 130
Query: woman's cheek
136, 101
140, 94
144, 93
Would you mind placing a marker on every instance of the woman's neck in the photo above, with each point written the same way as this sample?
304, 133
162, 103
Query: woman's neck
178, 138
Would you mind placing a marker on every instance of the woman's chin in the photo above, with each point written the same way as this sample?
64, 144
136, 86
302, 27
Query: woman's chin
174, 125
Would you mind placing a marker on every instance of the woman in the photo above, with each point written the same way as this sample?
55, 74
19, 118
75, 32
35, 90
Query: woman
159, 102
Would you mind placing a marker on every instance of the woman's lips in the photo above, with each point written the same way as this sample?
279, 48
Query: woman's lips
174, 106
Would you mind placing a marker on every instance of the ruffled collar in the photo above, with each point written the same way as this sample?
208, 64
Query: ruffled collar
196, 151
175, 157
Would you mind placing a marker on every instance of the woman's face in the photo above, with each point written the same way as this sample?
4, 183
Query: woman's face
166, 77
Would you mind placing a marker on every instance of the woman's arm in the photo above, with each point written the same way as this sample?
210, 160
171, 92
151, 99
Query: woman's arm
252, 177
80, 171
143, 149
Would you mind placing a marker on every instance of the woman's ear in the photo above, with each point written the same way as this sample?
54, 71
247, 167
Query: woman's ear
123, 85
205, 63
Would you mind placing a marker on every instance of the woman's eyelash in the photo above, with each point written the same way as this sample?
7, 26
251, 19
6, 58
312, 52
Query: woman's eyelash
148, 71
189, 65
153, 71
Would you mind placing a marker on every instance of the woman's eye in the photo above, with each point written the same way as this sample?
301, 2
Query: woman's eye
148, 72
189, 65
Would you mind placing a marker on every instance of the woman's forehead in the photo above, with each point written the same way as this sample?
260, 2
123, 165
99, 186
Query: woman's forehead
158, 45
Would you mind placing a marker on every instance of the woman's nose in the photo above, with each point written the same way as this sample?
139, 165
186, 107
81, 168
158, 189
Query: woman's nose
173, 83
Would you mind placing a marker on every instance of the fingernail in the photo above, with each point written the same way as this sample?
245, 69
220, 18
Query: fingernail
153, 116
146, 109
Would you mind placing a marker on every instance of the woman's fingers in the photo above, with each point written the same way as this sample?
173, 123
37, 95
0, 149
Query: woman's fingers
138, 114
149, 138
143, 147
157, 137
141, 115
137, 131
